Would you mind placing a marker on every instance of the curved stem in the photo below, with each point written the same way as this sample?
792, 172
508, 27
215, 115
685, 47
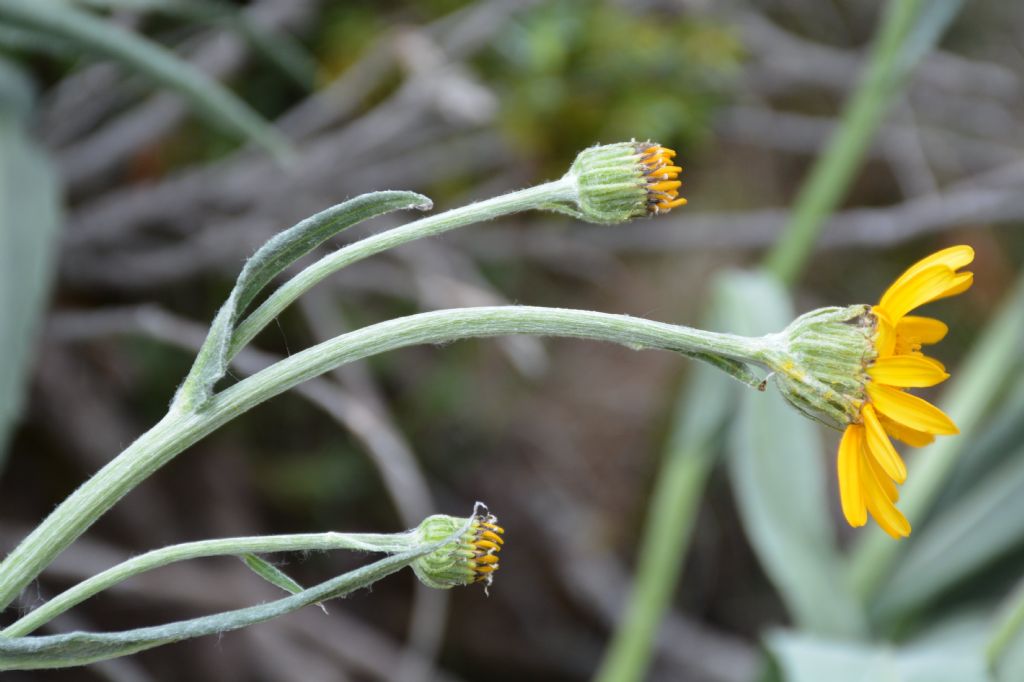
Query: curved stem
80, 648
178, 430
548, 195
367, 542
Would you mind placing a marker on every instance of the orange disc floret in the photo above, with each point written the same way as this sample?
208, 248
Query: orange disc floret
661, 175
486, 545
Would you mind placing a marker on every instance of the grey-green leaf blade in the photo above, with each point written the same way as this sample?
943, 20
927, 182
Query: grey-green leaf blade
984, 524
277, 47
29, 221
269, 261
210, 98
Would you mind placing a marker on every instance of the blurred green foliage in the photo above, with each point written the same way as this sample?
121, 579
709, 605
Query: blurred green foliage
571, 73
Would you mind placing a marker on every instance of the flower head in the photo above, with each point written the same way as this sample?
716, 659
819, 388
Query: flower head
471, 558
869, 467
822, 370
618, 182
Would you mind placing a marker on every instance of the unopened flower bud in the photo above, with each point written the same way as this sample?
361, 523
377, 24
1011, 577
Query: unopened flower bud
822, 367
472, 557
618, 182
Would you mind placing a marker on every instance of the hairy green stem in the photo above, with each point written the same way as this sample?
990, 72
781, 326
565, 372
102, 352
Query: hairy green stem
81, 648
366, 542
551, 195
179, 429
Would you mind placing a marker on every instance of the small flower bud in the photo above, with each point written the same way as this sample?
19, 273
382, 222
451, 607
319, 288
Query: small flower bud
618, 182
471, 558
822, 368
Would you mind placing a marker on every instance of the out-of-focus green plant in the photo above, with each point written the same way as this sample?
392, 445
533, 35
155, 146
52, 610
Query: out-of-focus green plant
30, 208
801, 560
92, 34
29, 218
626, 75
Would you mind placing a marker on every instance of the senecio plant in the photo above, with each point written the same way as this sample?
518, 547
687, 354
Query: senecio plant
848, 367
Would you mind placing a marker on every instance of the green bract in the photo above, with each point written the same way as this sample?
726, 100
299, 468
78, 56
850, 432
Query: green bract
471, 558
827, 352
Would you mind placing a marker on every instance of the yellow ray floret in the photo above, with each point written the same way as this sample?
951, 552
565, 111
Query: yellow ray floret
869, 467
907, 371
850, 490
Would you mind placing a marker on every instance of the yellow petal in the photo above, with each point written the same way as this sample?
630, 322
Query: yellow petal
905, 434
880, 447
890, 489
907, 371
922, 287
961, 283
848, 468
954, 258
910, 410
881, 507
885, 333
914, 329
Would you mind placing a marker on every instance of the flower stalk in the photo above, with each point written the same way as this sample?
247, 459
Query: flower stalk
608, 184
305, 542
558, 195
179, 429
81, 648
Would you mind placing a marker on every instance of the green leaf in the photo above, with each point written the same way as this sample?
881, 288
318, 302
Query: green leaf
981, 526
274, 575
81, 648
271, 573
67, 22
29, 221
1010, 667
777, 470
933, 19
17, 39
280, 49
807, 658
989, 446
734, 368
269, 261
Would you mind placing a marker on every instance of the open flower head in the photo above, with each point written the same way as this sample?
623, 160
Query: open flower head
618, 182
472, 557
869, 467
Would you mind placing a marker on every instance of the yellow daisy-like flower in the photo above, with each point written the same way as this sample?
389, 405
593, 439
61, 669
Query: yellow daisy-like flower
869, 467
